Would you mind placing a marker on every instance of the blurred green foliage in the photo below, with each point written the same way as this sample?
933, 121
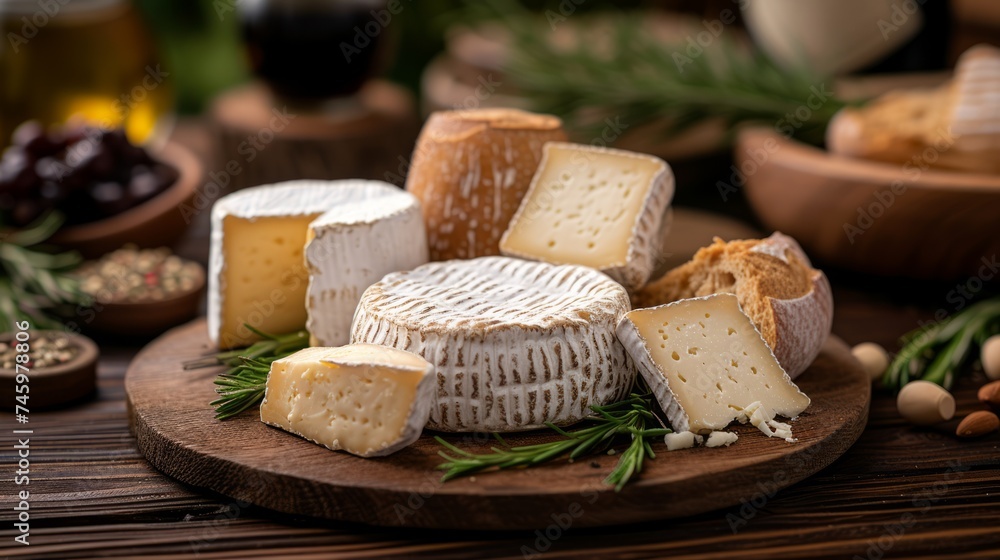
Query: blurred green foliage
202, 49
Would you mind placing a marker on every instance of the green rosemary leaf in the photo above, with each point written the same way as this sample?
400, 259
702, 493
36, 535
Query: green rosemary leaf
35, 283
242, 385
258, 332
631, 74
609, 422
938, 353
38, 231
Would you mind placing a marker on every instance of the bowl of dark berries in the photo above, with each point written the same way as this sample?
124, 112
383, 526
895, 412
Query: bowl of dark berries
61, 367
140, 292
109, 191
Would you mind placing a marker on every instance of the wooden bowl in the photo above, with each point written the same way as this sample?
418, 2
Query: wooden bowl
158, 222
877, 218
56, 385
147, 318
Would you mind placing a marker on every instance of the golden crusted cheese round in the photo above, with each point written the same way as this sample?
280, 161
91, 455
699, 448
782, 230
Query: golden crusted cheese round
515, 344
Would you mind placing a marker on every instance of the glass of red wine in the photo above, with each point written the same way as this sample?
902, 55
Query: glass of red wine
314, 50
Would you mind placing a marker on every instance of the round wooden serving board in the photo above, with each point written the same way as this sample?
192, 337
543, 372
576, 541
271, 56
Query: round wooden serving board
249, 461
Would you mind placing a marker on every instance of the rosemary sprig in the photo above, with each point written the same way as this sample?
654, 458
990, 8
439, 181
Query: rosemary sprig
609, 424
242, 385
639, 79
35, 280
937, 353
240, 388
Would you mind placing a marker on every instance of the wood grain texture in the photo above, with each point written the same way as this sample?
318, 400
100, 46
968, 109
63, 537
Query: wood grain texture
249, 461
368, 136
870, 216
95, 496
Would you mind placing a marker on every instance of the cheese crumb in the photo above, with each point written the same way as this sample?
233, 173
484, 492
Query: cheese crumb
721, 439
762, 418
681, 440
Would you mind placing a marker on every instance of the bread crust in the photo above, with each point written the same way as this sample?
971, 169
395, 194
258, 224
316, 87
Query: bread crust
470, 170
955, 126
789, 302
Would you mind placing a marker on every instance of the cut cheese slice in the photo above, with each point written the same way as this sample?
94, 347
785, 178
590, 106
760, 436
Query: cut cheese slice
515, 343
596, 207
364, 399
373, 230
257, 274
706, 362
788, 300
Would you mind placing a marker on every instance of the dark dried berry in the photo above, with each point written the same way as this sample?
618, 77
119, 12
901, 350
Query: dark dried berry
51, 191
143, 186
31, 136
51, 169
86, 172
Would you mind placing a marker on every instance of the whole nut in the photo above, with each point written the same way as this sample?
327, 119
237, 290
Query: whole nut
873, 358
990, 356
924, 403
990, 393
978, 424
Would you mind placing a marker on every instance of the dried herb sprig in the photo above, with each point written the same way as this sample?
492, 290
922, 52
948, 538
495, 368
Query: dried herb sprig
35, 280
610, 424
242, 385
937, 353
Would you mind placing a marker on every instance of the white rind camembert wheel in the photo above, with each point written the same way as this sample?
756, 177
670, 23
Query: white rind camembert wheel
515, 344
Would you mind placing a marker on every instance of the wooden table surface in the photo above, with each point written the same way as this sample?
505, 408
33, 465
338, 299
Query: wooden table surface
899, 492
903, 491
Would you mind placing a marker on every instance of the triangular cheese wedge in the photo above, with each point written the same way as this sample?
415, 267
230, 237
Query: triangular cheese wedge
706, 362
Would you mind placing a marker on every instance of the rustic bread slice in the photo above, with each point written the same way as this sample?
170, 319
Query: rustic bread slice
894, 127
788, 301
955, 126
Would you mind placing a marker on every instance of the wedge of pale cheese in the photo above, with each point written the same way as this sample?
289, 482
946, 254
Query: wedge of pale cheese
595, 207
706, 362
364, 399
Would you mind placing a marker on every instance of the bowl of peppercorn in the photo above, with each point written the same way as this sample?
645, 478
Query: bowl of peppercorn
139, 292
109, 191
61, 367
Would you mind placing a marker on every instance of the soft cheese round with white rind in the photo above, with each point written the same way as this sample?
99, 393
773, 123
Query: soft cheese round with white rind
364, 399
257, 274
705, 362
597, 207
375, 229
515, 344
